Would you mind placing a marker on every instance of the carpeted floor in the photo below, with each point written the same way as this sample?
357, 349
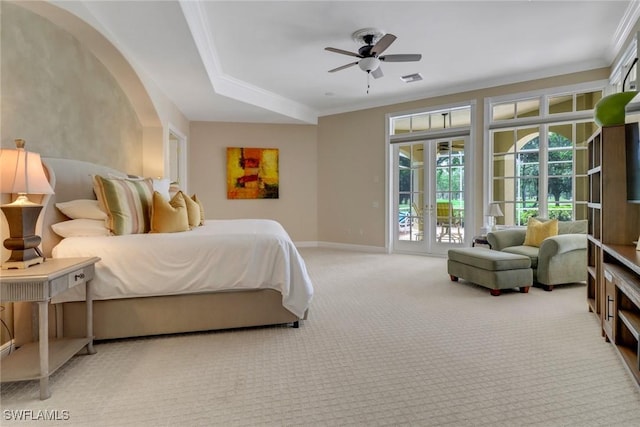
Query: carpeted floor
390, 341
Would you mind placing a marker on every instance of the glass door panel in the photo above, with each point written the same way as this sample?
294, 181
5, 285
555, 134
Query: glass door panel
449, 194
410, 193
429, 199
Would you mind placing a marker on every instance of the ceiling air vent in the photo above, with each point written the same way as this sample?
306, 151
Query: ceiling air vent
409, 78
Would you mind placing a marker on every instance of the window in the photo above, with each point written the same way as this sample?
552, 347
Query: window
459, 117
538, 154
516, 109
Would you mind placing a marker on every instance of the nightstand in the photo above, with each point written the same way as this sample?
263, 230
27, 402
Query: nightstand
39, 283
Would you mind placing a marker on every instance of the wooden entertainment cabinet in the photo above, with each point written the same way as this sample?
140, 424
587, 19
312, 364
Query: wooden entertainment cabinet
613, 280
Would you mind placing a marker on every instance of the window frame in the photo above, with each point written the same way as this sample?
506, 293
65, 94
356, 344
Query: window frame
544, 122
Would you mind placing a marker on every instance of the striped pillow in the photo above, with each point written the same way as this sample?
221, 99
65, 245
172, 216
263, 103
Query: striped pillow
127, 203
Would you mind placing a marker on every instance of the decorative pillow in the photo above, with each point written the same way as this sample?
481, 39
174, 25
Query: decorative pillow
82, 209
81, 228
195, 199
537, 231
193, 210
169, 216
127, 203
161, 185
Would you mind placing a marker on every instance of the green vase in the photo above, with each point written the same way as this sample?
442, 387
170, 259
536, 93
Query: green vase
609, 111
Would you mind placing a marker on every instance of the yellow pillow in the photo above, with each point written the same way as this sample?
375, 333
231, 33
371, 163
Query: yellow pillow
537, 231
195, 199
193, 210
169, 216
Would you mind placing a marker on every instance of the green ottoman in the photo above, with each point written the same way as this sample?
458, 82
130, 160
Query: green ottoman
494, 270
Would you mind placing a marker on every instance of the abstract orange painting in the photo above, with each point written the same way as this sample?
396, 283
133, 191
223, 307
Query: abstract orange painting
252, 173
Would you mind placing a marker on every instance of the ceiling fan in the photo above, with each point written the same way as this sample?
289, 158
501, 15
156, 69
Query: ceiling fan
376, 42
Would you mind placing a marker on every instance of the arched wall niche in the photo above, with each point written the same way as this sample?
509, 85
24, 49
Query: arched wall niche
50, 58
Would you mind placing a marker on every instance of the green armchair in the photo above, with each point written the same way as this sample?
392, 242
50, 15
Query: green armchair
559, 259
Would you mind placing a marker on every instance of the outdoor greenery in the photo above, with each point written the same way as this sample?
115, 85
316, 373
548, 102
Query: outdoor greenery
559, 182
449, 181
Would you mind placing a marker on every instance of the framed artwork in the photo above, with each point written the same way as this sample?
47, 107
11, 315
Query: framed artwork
252, 173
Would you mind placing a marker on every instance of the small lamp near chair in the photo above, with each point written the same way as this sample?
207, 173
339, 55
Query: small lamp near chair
21, 173
494, 211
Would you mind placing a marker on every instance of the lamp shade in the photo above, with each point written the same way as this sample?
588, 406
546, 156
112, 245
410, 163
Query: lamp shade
494, 210
21, 172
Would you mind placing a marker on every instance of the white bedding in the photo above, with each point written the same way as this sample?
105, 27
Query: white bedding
220, 255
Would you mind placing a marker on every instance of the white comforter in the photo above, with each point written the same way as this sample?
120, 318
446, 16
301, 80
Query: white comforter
220, 255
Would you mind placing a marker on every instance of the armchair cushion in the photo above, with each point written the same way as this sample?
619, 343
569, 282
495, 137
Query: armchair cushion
529, 251
573, 227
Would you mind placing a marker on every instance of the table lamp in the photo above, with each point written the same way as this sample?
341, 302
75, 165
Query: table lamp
21, 173
493, 212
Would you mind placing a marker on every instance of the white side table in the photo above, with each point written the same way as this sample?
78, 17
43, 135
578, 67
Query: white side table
39, 283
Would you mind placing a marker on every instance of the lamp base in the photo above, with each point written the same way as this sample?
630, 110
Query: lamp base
8, 265
23, 242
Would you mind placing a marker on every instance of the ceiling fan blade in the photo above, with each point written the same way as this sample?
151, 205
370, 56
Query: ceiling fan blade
343, 67
383, 44
377, 73
344, 52
401, 58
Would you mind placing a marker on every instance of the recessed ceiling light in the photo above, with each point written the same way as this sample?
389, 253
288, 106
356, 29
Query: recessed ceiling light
409, 78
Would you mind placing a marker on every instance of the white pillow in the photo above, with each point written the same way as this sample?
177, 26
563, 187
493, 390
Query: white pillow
81, 228
161, 185
82, 209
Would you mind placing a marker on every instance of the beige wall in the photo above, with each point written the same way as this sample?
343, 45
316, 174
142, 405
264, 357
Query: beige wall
70, 93
351, 161
296, 208
60, 98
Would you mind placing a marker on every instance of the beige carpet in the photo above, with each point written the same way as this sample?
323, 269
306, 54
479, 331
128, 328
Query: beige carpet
390, 341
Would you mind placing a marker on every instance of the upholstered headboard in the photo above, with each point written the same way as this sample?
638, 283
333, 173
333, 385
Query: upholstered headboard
71, 180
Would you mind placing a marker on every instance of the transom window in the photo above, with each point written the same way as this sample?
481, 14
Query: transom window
459, 117
555, 104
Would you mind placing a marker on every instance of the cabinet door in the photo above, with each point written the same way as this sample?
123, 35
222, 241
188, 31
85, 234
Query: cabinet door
608, 308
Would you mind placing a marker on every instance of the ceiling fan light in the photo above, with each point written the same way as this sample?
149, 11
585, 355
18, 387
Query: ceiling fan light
369, 64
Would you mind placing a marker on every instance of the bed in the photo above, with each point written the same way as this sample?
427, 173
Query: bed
225, 274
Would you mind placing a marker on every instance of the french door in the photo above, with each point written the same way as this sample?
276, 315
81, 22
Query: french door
429, 193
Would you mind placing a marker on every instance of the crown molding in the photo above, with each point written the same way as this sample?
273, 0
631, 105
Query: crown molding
625, 27
228, 86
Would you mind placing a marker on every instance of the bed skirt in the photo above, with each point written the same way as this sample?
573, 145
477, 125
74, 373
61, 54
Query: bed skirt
135, 317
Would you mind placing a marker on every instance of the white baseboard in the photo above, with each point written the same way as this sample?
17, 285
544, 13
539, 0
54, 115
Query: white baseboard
306, 244
6, 349
343, 246
356, 248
